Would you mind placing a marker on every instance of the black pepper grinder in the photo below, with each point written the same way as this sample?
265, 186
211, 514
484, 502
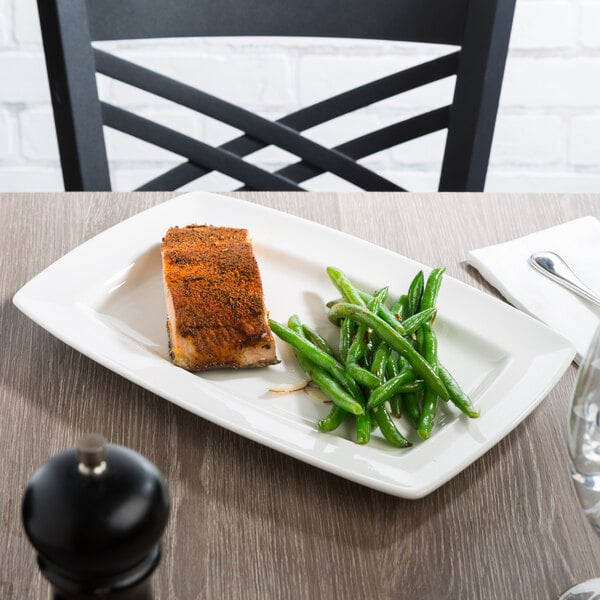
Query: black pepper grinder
95, 515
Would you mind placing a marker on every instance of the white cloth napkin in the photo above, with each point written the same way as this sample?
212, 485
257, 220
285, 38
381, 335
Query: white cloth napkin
506, 267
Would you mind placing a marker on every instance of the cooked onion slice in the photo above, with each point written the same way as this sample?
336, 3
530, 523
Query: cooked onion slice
287, 388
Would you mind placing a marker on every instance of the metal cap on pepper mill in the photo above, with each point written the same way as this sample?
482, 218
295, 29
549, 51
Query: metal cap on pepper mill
95, 515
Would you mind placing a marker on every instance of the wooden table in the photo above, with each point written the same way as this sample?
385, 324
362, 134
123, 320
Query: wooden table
248, 522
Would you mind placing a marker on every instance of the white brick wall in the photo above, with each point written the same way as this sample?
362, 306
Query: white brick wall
547, 136
590, 24
584, 145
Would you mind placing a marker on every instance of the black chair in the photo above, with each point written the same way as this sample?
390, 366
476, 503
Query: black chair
481, 28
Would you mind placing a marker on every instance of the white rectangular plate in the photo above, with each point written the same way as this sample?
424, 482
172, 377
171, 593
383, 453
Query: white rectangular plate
105, 299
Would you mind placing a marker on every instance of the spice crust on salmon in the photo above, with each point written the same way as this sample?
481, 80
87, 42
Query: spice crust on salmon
216, 316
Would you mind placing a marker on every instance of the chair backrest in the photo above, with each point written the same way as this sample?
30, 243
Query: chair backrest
480, 28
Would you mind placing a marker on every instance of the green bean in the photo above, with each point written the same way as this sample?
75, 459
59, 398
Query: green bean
336, 392
400, 307
411, 406
396, 406
389, 430
295, 325
420, 366
411, 324
430, 345
333, 420
300, 343
382, 310
374, 425
425, 424
407, 393
389, 353
318, 340
319, 358
340, 396
346, 336
457, 396
420, 341
382, 294
415, 293
413, 386
362, 376
372, 344
376, 300
402, 363
341, 399
366, 297
427, 345
386, 390
432, 288
392, 369
338, 414
363, 428
358, 347
345, 287
363, 421
385, 313
380, 359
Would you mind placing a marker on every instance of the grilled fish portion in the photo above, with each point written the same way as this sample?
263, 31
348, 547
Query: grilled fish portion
216, 315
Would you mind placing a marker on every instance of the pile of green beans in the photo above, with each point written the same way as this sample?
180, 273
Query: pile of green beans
386, 364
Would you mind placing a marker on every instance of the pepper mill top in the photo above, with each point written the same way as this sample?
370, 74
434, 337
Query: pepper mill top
95, 514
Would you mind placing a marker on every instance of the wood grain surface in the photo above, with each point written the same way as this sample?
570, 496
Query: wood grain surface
248, 522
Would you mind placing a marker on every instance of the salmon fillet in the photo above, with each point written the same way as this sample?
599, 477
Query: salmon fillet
216, 315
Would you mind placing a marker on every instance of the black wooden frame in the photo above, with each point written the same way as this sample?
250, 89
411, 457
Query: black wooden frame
481, 29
